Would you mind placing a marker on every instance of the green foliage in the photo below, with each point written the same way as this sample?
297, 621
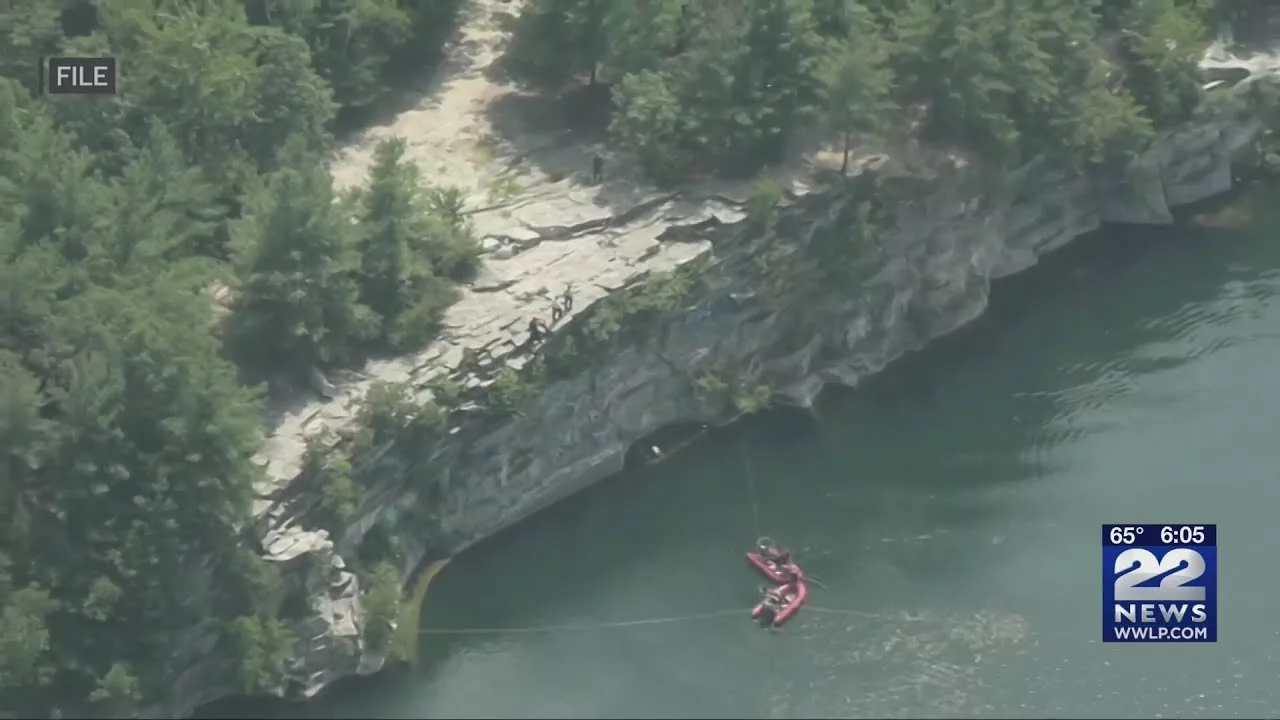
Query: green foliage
28, 29
125, 438
720, 85
357, 45
382, 608
296, 308
118, 691
414, 243
626, 313
1165, 41
857, 80
263, 585
327, 472
512, 391
727, 102
445, 391
648, 121
102, 599
565, 355
25, 641
222, 86
749, 399
762, 205
1015, 79
262, 648
504, 190
389, 411
781, 269
709, 387
635, 306
838, 248
712, 387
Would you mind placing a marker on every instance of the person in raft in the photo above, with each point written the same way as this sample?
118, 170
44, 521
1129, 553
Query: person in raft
773, 598
771, 552
789, 573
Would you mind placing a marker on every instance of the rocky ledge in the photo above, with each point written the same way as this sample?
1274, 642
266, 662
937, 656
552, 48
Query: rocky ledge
750, 307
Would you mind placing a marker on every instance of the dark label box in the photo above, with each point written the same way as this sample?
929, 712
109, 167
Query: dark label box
81, 76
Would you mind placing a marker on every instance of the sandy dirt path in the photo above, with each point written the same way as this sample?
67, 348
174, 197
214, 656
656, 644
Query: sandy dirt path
465, 131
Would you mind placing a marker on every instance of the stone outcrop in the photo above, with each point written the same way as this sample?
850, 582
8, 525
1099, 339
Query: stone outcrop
838, 283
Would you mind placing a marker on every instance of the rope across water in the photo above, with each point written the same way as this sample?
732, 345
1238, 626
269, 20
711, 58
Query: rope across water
586, 627
751, 489
583, 626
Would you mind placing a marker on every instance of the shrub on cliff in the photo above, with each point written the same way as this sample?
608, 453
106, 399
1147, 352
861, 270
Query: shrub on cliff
717, 389
382, 608
390, 411
326, 472
512, 390
261, 650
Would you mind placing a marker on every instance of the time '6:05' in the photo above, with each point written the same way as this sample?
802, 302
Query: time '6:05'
1182, 534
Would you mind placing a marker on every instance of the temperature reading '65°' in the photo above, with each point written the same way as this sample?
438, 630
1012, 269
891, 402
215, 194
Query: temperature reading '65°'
1125, 535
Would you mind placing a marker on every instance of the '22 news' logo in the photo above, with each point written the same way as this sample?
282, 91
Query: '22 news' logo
1159, 583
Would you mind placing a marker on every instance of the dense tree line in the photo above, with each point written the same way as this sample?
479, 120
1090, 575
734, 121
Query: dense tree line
126, 430
721, 85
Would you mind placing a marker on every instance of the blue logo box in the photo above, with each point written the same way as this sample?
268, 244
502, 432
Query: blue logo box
1160, 583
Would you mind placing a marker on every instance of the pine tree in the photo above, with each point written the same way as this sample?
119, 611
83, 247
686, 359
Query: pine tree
858, 83
296, 307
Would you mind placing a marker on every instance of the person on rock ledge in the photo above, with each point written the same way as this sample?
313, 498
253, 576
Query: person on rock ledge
537, 330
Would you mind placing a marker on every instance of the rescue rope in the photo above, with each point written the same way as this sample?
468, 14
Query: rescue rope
837, 611
584, 627
579, 627
751, 488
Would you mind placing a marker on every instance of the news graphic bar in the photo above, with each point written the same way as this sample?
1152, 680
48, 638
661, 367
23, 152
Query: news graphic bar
1159, 583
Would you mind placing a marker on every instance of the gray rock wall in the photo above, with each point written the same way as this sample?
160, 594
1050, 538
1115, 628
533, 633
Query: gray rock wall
948, 234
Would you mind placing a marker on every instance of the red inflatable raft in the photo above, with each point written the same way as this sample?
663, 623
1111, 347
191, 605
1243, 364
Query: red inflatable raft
766, 566
793, 596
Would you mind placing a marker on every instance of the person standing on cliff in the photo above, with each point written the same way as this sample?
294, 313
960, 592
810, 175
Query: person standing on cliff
566, 300
537, 331
597, 169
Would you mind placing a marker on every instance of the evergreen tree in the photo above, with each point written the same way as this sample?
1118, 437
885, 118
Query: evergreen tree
1164, 41
296, 308
397, 277
858, 82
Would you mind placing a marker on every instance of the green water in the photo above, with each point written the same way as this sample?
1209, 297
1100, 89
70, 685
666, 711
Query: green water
951, 508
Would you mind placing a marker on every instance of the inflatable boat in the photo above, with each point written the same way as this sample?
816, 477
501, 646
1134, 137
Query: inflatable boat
793, 596
767, 567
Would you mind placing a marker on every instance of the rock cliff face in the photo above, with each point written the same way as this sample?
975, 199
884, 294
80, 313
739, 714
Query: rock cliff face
830, 288
842, 283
